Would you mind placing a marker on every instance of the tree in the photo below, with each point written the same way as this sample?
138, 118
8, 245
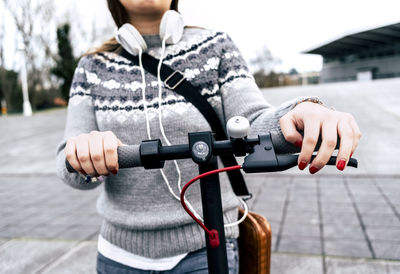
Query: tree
2, 34
32, 20
10, 90
65, 61
264, 61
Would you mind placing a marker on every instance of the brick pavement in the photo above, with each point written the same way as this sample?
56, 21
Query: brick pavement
328, 220
329, 223
348, 215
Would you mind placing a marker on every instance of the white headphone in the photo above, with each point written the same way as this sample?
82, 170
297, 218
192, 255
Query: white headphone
171, 29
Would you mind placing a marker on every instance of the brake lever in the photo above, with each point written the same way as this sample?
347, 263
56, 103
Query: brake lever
264, 159
288, 161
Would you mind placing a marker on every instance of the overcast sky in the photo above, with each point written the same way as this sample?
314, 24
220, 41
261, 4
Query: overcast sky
286, 27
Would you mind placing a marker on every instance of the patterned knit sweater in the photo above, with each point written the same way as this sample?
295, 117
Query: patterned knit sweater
140, 214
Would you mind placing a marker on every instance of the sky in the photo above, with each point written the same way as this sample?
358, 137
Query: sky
286, 27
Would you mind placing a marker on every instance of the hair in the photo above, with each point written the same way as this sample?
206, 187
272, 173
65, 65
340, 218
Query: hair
120, 16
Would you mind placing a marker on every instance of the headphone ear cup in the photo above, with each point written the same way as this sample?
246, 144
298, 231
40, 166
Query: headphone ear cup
130, 39
171, 27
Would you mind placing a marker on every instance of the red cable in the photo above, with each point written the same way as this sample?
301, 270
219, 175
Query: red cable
211, 233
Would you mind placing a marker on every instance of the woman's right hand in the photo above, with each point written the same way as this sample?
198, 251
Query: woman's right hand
94, 153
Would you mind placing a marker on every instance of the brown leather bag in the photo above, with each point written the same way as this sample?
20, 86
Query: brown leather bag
254, 244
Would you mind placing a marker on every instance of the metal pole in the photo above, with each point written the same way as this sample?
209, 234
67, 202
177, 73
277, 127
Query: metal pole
27, 108
213, 217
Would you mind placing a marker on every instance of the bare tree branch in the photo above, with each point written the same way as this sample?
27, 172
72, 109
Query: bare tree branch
2, 35
32, 21
264, 61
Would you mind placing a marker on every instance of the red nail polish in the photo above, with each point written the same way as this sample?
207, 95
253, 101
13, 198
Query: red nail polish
351, 154
313, 169
341, 164
114, 172
302, 165
298, 143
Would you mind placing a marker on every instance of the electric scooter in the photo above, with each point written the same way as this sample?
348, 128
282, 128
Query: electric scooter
265, 153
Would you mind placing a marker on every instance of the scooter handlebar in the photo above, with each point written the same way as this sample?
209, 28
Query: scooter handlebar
128, 156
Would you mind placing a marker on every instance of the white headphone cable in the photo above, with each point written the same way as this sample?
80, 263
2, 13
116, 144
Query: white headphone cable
147, 118
246, 209
159, 108
164, 135
246, 212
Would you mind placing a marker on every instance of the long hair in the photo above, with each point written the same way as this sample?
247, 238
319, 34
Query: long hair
120, 16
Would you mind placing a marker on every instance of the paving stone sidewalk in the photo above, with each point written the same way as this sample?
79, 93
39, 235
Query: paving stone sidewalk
332, 222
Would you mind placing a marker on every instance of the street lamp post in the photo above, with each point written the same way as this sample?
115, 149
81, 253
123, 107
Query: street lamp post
27, 108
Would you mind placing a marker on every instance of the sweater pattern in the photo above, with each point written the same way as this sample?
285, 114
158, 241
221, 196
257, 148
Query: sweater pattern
140, 215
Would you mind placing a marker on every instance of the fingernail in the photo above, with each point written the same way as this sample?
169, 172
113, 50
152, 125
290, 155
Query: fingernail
302, 165
341, 164
114, 172
298, 143
313, 169
351, 154
82, 171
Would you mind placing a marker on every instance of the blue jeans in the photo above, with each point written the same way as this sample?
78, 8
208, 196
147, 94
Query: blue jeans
194, 262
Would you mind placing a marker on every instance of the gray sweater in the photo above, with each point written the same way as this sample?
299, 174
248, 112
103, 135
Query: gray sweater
140, 215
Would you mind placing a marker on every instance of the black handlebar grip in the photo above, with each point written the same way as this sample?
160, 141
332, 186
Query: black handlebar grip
282, 146
128, 156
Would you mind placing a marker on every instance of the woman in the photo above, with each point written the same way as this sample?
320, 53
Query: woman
114, 102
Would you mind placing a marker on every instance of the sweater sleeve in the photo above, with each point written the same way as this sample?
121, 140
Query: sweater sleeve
241, 96
80, 119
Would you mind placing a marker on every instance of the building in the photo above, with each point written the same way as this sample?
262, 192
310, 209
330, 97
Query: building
366, 55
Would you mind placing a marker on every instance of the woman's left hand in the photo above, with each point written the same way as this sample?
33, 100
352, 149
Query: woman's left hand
316, 120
